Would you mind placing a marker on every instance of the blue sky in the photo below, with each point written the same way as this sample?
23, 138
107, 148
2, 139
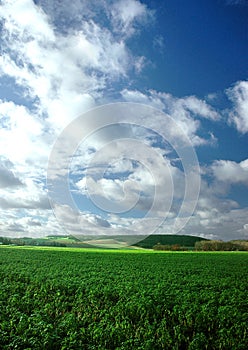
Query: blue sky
204, 46
185, 65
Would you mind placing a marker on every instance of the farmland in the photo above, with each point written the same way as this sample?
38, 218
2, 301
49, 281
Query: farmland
61, 298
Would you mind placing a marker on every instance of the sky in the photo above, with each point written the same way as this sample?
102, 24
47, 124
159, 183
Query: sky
124, 117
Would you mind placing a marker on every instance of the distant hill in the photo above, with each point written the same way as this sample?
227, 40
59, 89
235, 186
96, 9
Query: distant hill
154, 241
143, 241
48, 241
182, 240
106, 241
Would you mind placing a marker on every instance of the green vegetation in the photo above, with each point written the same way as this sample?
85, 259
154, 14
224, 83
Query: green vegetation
205, 245
221, 246
60, 298
5, 241
48, 241
156, 242
169, 240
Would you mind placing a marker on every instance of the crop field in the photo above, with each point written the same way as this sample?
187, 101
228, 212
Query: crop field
65, 298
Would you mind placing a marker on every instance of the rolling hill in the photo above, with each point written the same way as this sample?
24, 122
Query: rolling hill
182, 240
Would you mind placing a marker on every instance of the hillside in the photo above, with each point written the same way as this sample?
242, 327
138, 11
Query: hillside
182, 240
154, 241
48, 241
106, 241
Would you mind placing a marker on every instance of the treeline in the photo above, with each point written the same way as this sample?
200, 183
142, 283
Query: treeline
44, 243
30, 242
5, 241
170, 247
221, 246
207, 246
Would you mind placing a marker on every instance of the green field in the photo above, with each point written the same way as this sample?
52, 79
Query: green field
95, 299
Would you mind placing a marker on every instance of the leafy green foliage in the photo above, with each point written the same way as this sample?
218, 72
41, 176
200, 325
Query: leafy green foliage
5, 240
173, 247
221, 246
69, 299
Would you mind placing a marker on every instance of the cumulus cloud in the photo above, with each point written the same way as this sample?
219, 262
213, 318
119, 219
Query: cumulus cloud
187, 111
8, 178
61, 72
238, 116
217, 216
65, 71
22, 138
226, 225
82, 223
167, 102
231, 172
127, 14
125, 167
30, 196
58, 57
198, 107
20, 222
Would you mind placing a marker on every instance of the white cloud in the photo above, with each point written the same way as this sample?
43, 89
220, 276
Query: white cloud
82, 223
65, 71
223, 225
59, 68
22, 222
167, 102
139, 97
239, 114
139, 186
187, 111
216, 216
30, 195
7, 177
26, 18
61, 73
230, 172
23, 140
139, 175
126, 14
198, 107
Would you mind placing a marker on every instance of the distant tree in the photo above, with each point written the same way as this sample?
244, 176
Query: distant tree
159, 246
176, 247
219, 246
170, 247
5, 241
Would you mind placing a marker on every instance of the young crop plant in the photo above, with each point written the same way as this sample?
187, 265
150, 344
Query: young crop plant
56, 298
